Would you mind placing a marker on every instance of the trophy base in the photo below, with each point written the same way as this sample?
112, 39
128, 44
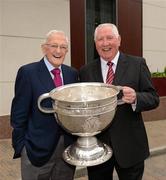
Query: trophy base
87, 151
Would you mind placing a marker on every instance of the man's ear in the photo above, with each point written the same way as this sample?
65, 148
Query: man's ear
43, 49
119, 39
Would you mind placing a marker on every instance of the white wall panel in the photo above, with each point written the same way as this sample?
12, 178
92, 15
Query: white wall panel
23, 26
1, 17
156, 60
154, 34
33, 18
154, 16
154, 39
159, 3
15, 52
6, 95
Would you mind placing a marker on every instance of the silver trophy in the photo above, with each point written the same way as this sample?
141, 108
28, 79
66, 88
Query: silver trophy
84, 110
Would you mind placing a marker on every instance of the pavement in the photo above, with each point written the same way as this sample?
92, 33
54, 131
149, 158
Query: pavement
155, 165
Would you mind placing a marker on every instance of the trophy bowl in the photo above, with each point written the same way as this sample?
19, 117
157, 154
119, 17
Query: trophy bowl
84, 110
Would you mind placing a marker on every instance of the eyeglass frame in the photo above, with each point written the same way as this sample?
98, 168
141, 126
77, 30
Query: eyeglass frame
55, 46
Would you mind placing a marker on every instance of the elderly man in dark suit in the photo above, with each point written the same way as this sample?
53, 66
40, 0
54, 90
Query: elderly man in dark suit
126, 135
36, 137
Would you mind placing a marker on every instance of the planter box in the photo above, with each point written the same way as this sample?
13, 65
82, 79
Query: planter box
160, 85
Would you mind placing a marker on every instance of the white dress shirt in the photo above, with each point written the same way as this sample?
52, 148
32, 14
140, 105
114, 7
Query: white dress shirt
50, 67
105, 67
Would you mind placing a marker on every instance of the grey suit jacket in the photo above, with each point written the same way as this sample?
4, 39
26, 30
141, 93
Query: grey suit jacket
127, 134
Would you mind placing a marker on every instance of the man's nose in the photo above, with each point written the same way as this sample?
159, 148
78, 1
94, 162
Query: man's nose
58, 49
105, 42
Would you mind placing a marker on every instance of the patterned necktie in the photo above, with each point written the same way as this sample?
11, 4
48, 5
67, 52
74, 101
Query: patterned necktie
57, 78
110, 74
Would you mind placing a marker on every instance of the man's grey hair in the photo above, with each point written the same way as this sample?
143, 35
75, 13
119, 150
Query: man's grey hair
114, 29
52, 32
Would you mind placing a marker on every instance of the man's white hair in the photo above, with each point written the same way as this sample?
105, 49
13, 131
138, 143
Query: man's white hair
52, 32
114, 29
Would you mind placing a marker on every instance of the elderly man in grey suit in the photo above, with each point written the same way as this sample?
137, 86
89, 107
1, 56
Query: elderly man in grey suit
126, 135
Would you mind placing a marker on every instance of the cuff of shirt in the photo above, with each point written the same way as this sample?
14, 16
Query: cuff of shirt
134, 105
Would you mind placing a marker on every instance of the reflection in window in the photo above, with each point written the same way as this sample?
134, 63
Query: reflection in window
97, 12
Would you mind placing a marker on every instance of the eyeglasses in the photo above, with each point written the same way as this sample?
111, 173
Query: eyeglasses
55, 46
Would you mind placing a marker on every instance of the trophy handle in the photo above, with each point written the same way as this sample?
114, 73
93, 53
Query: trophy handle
44, 109
119, 101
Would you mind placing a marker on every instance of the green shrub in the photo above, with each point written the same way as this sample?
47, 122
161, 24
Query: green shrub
159, 74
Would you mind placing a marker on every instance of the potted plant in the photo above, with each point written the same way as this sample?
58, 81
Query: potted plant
159, 81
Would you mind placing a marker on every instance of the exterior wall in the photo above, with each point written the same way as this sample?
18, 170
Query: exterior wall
23, 25
154, 46
154, 34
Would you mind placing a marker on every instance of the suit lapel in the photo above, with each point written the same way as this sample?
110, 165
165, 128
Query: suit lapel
66, 75
120, 69
97, 71
45, 76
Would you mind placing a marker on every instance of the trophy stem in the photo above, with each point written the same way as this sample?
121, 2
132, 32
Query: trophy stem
87, 151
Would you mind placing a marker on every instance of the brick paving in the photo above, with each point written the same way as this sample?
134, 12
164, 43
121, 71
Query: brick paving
9, 168
155, 166
156, 131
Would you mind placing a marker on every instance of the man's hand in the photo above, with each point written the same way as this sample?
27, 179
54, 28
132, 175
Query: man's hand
129, 95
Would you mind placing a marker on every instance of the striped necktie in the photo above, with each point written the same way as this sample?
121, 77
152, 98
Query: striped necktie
110, 74
57, 78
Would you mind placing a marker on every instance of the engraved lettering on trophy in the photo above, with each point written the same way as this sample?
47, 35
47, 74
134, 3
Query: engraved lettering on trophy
91, 124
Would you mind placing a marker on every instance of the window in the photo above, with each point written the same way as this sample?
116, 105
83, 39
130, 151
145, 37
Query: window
97, 12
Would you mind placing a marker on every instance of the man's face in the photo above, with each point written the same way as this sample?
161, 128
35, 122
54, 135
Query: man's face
107, 44
55, 49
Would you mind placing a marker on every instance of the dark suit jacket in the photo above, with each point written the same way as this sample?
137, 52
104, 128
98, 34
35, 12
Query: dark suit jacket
37, 131
127, 134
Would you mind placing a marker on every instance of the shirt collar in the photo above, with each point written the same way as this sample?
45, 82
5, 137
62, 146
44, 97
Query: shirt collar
50, 67
114, 61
